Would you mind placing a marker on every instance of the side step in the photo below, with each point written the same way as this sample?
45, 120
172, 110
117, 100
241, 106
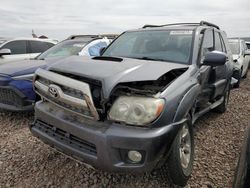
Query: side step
212, 106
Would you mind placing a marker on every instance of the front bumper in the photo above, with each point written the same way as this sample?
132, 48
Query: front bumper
11, 99
103, 145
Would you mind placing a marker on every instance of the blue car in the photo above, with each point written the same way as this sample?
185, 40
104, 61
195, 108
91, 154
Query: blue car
16, 89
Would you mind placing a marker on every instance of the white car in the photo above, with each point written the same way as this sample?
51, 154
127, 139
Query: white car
23, 48
241, 57
248, 46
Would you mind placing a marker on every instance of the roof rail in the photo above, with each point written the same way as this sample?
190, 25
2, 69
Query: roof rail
209, 24
188, 24
82, 36
110, 36
146, 26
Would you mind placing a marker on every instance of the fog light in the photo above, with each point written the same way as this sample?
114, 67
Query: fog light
135, 156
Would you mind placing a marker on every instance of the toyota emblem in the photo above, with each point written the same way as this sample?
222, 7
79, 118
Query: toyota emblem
53, 91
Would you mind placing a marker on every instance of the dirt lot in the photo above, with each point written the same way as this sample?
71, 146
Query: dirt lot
26, 162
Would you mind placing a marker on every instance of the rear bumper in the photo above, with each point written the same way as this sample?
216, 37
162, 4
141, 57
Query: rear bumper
11, 99
103, 145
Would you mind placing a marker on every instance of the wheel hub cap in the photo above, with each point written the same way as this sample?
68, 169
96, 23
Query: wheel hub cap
185, 147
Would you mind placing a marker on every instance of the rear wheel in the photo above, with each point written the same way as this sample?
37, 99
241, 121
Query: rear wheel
237, 75
180, 162
241, 177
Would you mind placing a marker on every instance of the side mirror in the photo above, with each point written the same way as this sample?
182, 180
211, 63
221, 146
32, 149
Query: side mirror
215, 58
5, 51
102, 49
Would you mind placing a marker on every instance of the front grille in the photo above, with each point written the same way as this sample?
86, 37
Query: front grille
66, 138
67, 90
71, 94
95, 86
9, 97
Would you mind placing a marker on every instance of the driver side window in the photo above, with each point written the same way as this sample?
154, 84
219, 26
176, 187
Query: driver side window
207, 44
16, 47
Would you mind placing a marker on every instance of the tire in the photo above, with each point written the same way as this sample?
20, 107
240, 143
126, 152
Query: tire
237, 75
179, 170
223, 106
241, 176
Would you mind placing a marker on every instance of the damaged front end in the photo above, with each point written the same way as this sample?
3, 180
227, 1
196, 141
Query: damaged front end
135, 103
147, 88
138, 103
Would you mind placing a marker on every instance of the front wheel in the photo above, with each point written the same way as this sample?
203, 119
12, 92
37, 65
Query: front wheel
180, 162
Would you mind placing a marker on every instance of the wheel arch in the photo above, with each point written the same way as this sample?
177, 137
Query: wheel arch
187, 103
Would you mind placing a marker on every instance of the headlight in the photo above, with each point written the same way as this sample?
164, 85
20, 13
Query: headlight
136, 110
24, 77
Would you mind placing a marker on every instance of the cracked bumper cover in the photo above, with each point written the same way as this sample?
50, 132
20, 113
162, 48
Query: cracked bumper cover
111, 141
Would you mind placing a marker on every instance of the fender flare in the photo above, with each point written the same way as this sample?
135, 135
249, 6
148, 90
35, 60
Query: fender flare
186, 103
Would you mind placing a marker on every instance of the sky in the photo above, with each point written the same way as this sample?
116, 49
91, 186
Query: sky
60, 18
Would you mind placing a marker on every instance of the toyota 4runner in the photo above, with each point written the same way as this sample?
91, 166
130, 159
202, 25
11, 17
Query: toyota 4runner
132, 109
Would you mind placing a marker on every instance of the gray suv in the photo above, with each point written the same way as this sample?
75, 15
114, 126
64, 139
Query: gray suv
132, 109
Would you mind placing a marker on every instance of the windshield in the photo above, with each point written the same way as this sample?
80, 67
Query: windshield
164, 45
235, 47
63, 49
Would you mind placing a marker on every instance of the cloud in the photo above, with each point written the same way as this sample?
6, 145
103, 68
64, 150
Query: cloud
60, 18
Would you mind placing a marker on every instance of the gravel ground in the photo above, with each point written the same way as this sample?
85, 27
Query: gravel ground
26, 162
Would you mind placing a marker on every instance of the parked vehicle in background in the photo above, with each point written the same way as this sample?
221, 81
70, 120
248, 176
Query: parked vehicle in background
132, 109
242, 173
23, 48
241, 59
248, 46
16, 90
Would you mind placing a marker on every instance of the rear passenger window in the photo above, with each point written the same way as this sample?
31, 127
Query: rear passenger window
223, 44
39, 47
218, 45
16, 47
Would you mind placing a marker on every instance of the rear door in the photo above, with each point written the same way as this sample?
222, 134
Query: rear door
18, 51
37, 47
212, 79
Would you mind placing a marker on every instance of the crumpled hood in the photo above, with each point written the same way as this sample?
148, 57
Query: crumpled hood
23, 67
111, 73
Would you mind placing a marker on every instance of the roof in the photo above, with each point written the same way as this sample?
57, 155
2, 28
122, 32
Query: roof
167, 28
90, 37
177, 26
54, 41
201, 23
